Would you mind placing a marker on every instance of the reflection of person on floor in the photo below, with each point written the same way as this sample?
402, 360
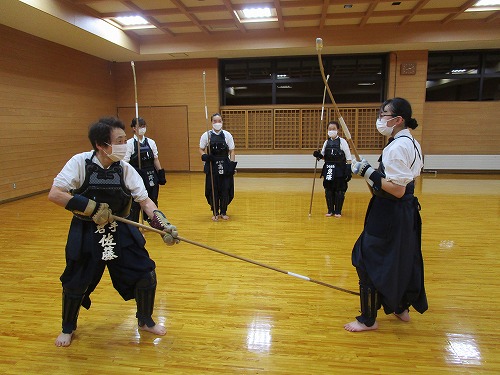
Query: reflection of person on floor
217, 151
96, 185
388, 254
336, 172
151, 171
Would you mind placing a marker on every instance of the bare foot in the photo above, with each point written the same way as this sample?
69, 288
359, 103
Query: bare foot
404, 316
328, 214
215, 218
225, 217
64, 339
358, 327
338, 215
156, 329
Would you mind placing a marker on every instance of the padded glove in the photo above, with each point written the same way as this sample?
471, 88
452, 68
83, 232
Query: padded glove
364, 169
348, 173
162, 180
103, 214
160, 221
98, 212
207, 157
231, 169
317, 154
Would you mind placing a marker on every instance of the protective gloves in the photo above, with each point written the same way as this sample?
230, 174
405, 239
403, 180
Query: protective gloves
317, 154
100, 213
160, 221
364, 169
162, 180
231, 169
207, 157
348, 173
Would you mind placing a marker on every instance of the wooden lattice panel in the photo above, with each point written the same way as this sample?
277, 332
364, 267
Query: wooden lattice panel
368, 136
287, 128
234, 122
349, 116
313, 129
361, 124
260, 129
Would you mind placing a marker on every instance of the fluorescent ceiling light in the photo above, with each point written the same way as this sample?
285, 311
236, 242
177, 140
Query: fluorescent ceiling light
485, 6
487, 3
257, 12
130, 22
256, 15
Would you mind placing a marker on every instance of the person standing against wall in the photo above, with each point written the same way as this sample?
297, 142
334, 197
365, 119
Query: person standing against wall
388, 254
336, 171
217, 151
150, 168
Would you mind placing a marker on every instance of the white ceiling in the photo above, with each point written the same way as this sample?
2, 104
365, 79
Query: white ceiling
208, 28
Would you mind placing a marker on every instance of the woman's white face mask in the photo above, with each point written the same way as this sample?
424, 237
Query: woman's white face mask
217, 126
142, 131
383, 128
332, 133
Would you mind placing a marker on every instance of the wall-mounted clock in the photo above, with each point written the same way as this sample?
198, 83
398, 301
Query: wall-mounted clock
408, 69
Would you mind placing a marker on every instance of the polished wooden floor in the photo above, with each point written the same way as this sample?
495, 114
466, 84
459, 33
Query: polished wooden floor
227, 316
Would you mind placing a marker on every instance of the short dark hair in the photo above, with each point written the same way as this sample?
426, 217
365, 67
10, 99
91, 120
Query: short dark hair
401, 107
215, 114
100, 131
134, 122
334, 123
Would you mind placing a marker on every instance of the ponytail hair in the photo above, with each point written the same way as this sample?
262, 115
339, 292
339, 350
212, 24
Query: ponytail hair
401, 107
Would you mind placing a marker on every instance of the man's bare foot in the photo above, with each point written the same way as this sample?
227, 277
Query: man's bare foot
215, 218
64, 339
224, 217
156, 329
358, 327
404, 316
328, 214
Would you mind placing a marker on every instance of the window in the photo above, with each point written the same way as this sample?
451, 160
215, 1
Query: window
297, 80
463, 76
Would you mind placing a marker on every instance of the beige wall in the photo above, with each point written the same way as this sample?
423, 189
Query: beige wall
173, 83
49, 94
461, 128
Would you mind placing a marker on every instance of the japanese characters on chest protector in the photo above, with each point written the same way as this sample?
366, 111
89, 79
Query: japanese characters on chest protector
335, 160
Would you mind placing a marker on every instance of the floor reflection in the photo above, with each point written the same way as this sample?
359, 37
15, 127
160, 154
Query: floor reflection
259, 335
462, 349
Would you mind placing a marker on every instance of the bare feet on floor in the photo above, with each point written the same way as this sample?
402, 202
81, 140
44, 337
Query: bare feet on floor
404, 316
224, 217
156, 329
338, 215
215, 218
64, 339
358, 327
328, 214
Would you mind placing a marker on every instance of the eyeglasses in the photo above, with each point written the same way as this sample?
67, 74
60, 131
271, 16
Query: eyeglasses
380, 115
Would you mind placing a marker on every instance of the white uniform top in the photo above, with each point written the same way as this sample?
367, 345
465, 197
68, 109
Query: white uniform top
133, 141
227, 136
344, 146
72, 176
398, 157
